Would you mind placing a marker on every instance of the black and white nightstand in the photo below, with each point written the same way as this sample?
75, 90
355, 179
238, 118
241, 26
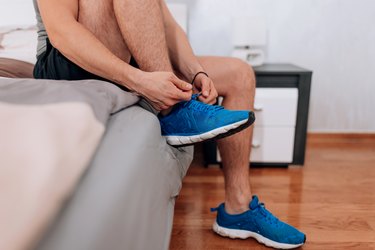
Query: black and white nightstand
281, 110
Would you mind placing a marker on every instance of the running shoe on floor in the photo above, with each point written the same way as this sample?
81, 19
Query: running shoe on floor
193, 121
257, 223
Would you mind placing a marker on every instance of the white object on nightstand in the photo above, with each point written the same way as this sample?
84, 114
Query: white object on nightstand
255, 57
274, 129
249, 35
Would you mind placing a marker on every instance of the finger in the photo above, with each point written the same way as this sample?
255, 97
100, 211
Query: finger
181, 84
171, 102
213, 102
210, 99
178, 95
206, 87
164, 107
156, 106
196, 90
159, 106
203, 99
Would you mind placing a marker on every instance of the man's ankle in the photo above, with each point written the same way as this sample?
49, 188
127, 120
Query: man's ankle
237, 206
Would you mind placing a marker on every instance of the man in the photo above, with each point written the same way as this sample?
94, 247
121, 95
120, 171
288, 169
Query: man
138, 45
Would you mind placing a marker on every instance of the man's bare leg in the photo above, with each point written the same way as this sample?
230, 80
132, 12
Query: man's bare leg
140, 22
130, 28
235, 81
142, 26
98, 17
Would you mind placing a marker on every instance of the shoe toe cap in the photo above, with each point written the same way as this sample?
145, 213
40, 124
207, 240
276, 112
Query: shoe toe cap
298, 238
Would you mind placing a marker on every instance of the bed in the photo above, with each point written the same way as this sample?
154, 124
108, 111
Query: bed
82, 166
77, 175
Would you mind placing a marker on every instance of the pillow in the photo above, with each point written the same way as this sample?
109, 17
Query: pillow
15, 69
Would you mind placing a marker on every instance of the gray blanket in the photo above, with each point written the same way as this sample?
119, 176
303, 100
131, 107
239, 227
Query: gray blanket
49, 132
104, 98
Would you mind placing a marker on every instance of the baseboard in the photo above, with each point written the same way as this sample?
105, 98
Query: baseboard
340, 135
367, 138
341, 131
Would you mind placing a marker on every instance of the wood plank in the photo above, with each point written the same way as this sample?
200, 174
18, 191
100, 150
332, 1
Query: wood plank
331, 198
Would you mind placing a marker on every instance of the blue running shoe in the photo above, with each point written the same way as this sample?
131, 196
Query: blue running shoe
193, 121
258, 223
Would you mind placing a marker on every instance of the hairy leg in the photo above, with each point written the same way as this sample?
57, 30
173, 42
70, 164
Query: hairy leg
130, 29
142, 26
235, 81
137, 30
98, 17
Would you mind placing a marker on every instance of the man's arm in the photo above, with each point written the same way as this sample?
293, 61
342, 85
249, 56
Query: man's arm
183, 58
80, 46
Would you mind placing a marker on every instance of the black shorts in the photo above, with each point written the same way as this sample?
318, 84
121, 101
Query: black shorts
51, 64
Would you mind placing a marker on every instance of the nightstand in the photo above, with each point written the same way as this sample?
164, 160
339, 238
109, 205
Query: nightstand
281, 111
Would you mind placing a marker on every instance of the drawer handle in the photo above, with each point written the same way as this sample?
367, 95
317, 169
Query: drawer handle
258, 107
255, 144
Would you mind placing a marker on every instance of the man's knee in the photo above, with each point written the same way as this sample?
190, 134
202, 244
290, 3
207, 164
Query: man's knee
244, 76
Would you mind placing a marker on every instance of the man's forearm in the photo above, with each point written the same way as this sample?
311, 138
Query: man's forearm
180, 51
182, 55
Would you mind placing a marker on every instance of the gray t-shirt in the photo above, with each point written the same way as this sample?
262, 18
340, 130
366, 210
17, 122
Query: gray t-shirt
42, 34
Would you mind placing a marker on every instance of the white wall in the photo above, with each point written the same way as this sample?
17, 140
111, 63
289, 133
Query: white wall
334, 38
16, 13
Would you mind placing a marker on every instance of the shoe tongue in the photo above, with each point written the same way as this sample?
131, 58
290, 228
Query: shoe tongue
254, 202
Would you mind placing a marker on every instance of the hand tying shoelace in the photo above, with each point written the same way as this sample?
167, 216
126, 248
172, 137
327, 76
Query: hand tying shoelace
193, 121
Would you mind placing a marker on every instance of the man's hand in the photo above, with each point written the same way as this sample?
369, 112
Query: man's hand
163, 89
206, 86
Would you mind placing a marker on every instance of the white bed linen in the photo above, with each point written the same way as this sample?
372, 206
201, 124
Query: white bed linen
19, 43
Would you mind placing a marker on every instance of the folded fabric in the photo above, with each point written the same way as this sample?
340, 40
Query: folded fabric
15, 69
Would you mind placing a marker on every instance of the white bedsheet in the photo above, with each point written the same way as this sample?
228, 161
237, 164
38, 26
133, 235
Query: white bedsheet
19, 43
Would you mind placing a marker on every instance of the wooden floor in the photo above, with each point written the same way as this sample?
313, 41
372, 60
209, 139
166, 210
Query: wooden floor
331, 198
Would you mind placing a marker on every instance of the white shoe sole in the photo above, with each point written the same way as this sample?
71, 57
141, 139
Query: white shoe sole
186, 140
243, 234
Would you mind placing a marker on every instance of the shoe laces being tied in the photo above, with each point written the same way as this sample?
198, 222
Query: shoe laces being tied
194, 104
255, 205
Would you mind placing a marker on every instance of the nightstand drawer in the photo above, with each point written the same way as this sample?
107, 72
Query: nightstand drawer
272, 144
276, 107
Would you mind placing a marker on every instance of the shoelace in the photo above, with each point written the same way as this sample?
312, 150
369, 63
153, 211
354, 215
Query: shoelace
200, 106
266, 214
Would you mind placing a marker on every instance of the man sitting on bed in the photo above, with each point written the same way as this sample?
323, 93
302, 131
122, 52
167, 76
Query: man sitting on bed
137, 45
